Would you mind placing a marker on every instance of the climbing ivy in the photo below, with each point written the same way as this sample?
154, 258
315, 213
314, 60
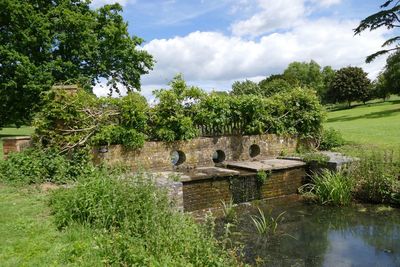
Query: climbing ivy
181, 111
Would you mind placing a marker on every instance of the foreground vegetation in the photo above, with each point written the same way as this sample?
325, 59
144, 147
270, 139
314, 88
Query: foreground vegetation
107, 216
373, 178
30, 238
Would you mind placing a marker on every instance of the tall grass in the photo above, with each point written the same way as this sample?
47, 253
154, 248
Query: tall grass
330, 188
135, 224
378, 176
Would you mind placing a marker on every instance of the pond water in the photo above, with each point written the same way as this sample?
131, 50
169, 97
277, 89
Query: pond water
311, 235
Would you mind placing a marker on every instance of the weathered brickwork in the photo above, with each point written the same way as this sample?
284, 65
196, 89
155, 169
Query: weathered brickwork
15, 144
198, 152
211, 192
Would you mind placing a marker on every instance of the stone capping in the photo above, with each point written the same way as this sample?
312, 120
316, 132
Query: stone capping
17, 138
266, 165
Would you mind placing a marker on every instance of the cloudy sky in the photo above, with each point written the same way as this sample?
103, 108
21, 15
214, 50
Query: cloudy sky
215, 42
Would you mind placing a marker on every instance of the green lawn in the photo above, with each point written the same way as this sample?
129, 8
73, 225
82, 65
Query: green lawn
29, 237
376, 123
8, 132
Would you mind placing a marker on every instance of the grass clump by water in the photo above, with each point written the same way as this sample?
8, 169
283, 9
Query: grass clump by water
135, 224
266, 225
330, 188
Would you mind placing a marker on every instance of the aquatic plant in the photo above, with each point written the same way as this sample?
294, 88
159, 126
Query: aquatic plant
229, 210
266, 224
333, 188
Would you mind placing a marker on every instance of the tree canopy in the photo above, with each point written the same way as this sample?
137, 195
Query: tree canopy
389, 80
389, 17
349, 84
62, 41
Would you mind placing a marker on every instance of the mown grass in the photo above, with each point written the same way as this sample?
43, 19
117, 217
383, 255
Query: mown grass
9, 132
30, 238
376, 123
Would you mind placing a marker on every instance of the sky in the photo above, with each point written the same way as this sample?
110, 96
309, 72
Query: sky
216, 42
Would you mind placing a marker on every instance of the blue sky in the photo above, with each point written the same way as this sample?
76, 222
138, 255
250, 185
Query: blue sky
214, 43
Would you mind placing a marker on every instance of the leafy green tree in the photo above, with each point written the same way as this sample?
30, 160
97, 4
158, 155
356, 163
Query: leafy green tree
246, 87
171, 118
328, 74
62, 41
388, 17
380, 88
269, 87
350, 84
391, 74
304, 74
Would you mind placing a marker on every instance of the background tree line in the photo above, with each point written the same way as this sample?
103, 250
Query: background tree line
332, 86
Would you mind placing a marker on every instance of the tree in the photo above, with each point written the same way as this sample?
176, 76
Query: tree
328, 74
304, 74
172, 117
379, 88
350, 84
246, 87
391, 74
62, 41
269, 87
388, 17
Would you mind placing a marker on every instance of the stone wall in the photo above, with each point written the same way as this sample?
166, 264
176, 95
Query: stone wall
211, 192
197, 152
15, 144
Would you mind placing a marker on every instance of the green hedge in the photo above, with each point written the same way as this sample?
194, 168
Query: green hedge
69, 121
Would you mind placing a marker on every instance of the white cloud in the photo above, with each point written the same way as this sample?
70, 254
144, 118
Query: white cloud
211, 56
274, 15
99, 3
326, 3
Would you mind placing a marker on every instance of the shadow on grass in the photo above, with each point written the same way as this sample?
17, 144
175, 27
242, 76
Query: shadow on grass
346, 107
372, 115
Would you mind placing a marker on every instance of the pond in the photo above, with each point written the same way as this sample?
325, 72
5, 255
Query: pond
312, 235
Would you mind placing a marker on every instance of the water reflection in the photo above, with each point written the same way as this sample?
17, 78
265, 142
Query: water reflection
323, 236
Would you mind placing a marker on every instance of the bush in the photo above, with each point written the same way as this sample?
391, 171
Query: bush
136, 226
377, 174
332, 188
330, 138
36, 165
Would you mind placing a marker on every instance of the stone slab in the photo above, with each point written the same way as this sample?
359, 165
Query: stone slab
265, 165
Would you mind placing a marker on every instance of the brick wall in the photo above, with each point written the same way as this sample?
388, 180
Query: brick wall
207, 193
198, 152
15, 144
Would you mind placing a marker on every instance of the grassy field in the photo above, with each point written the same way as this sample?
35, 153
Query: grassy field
30, 238
8, 132
375, 123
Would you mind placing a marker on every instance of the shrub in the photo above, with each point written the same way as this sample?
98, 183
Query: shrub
36, 165
330, 138
71, 121
136, 226
332, 188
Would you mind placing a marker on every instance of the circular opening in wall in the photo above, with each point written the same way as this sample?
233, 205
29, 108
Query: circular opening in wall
218, 156
177, 157
254, 150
